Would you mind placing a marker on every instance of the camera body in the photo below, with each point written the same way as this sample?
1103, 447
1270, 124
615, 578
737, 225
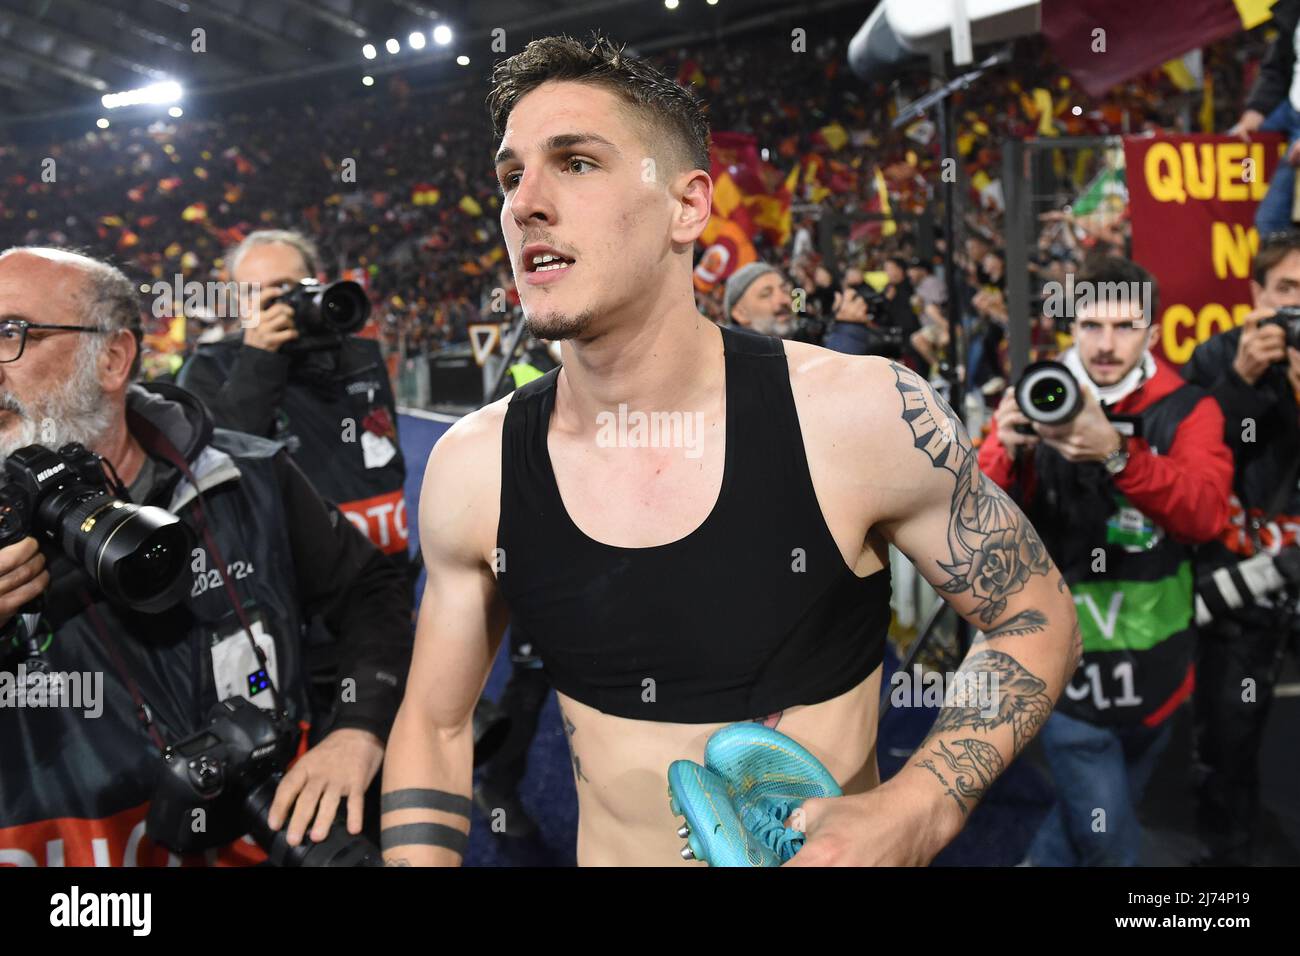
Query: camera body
1288, 317
136, 555
224, 776
324, 313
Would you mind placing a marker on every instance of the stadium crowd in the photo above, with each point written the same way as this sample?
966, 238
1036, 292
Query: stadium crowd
405, 199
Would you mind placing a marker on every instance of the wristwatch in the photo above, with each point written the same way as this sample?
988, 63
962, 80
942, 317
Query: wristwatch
1117, 459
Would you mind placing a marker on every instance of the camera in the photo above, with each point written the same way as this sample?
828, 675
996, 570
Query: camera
1246, 582
1048, 394
224, 776
137, 555
324, 313
1288, 317
876, 301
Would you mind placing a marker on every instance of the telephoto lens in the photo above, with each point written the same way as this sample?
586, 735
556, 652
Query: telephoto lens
1048, 394
137, 555
339, 848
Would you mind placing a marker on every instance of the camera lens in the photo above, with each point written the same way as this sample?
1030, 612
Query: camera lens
344, 307
137, 555
339, 848
1048, 394
151, 568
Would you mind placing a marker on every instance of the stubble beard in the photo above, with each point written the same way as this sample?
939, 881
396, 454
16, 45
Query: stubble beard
558, 326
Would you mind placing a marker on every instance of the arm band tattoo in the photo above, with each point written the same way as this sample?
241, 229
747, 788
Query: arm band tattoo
424, 834
415, 799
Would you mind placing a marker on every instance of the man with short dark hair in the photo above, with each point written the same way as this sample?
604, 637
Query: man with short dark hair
1255, 375
1118, 513
792, 468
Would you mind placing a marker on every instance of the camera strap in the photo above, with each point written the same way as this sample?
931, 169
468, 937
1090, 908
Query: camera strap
142, 710
146, 430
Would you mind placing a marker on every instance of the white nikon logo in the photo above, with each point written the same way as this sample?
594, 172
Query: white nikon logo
42, 475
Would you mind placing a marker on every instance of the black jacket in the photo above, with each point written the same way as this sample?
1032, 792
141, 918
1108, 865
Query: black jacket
1275, 73
1262, 464
72, 787
334, 412
1270, 403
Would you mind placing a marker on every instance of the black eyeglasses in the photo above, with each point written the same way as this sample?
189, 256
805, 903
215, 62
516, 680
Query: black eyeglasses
13, 335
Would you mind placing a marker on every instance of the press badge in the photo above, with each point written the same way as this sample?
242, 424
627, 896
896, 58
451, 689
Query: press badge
235, 668
377, 449
1131, 529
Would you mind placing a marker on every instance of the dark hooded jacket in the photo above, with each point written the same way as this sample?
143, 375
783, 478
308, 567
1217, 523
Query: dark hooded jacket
76, 781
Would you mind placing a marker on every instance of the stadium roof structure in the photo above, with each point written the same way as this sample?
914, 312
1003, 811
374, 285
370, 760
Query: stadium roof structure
60, 57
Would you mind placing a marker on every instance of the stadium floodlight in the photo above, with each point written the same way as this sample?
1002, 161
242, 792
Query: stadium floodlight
416, 41
167, 92
369, 51
175, 112
671, 4
101, 123
463, 60
712, 3
442, 34
367, 80
392, 46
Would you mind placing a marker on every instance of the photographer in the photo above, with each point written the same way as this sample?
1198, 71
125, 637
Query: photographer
268, 553
1256, 378
330, 404
1118, 515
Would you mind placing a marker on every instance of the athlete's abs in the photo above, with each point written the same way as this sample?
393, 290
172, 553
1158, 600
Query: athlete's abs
620, 769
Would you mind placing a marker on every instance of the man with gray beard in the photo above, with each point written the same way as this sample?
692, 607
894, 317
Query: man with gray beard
271, 554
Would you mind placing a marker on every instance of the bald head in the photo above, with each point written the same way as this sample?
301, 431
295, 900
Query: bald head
78, 289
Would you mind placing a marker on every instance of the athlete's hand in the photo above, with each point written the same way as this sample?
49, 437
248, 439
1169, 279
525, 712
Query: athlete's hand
896, 824
341, 765
22, 576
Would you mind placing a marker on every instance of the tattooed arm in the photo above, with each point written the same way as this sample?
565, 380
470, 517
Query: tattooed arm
972, 543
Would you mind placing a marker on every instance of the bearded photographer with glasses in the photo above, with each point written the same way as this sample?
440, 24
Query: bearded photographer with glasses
155, 575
